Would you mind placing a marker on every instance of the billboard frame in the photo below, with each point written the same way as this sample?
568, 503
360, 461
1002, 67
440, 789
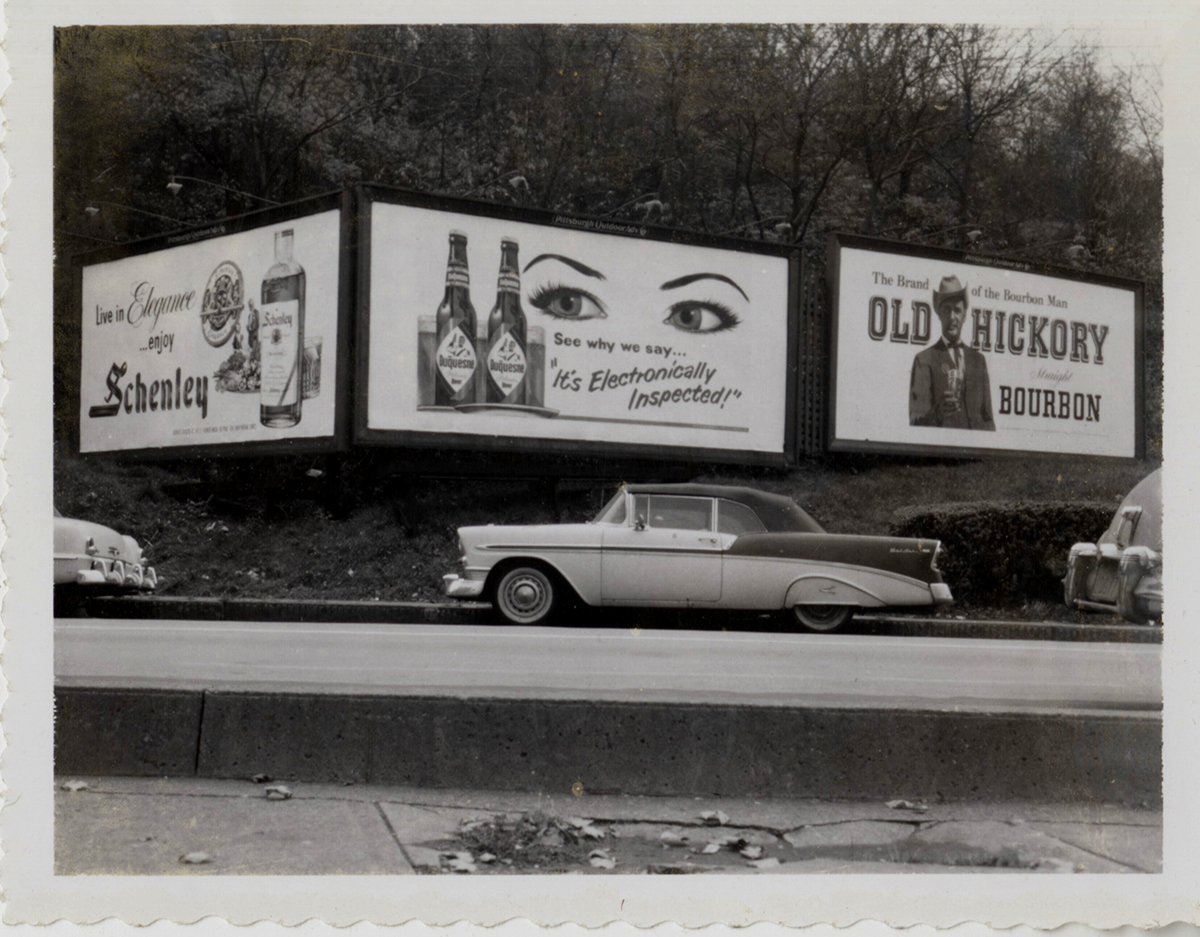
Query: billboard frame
339, 440
368, 194
838, 240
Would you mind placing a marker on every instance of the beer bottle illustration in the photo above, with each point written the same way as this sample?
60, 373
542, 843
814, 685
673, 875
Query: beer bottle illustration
281, 337
456, 359
506, 344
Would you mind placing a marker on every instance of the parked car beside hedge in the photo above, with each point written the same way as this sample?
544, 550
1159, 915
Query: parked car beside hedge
701, 547
1122, 571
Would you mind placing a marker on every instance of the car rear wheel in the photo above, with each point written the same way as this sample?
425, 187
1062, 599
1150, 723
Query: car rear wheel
526, 595
823, 617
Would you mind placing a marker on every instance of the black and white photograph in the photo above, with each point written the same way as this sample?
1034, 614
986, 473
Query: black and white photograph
572, 467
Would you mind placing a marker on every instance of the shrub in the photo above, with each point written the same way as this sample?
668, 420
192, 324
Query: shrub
1005, 553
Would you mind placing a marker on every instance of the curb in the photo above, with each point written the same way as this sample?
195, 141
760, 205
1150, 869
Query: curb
477, 613
612, 747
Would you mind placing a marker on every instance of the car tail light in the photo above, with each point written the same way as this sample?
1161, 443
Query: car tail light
937, 552
90, 547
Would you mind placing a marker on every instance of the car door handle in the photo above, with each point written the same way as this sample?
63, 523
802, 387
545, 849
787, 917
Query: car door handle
708, 540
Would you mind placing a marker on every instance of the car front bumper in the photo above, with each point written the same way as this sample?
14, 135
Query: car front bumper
456, 587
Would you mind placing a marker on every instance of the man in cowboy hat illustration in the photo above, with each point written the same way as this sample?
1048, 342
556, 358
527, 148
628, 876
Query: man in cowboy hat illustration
950, 385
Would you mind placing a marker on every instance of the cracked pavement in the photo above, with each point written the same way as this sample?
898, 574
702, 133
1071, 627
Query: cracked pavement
153, 826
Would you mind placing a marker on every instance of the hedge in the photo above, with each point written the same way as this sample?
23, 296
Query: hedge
1005, 553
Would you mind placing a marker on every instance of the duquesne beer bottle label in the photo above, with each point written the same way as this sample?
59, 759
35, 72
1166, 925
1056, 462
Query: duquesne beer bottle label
506, 363
456, 358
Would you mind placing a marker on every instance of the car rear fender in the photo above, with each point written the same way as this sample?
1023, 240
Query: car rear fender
825, 589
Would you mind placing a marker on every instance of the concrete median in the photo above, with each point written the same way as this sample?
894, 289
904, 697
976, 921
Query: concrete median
613, 747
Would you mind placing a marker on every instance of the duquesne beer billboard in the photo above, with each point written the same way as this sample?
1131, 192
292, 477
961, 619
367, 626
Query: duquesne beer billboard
485, 327
228, 336
937, 351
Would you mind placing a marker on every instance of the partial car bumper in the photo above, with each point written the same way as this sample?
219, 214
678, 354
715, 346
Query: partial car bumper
941, 593
456, 587
118, 575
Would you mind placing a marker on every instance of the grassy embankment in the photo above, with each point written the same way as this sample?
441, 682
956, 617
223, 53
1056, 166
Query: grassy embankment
235, 541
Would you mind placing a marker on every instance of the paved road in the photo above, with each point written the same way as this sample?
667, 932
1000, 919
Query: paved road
612, 664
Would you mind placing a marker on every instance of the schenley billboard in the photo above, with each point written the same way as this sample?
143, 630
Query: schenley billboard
223, 340
937, 349
575, 331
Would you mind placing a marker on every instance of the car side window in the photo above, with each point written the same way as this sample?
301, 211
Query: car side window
680, 513
734, 518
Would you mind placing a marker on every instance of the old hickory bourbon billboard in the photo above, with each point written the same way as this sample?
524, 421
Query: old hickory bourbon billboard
934, 350
227, 339
570, 336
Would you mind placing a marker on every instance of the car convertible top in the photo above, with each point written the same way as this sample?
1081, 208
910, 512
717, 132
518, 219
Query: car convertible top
779, 513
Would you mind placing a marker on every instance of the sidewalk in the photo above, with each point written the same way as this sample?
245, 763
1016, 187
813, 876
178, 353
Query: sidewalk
153, 826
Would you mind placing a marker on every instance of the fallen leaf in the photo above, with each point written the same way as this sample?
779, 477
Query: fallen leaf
1015, 821
578, 822
669, 838
278, 792
768, 863
711, 849
74, 786
907, 805
1061, 866
262, 778
714, 817
603, 862
460, 862
487, 858
195, 858
592, 832
752, 852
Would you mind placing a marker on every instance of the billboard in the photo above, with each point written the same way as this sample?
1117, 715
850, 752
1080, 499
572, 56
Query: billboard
226, 336
486, 328
937, 351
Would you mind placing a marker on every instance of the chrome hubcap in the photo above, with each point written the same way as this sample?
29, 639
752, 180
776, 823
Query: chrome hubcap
526, 595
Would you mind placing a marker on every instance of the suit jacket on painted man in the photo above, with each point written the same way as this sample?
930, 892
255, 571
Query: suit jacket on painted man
943, 393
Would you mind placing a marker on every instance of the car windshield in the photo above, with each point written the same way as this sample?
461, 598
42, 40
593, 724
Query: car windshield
613, 512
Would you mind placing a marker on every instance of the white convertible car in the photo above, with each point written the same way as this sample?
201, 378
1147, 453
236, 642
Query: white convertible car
695, 546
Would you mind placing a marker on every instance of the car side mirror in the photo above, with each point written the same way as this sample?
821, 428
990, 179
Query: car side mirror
639, 523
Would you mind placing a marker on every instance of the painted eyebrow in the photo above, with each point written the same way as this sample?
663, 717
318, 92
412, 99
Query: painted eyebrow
693, 277
582, 268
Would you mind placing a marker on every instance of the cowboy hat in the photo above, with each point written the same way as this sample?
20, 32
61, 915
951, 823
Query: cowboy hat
949, 289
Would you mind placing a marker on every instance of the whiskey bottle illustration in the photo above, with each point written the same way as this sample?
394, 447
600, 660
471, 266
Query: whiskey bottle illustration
507, 346
281, 337
456, 360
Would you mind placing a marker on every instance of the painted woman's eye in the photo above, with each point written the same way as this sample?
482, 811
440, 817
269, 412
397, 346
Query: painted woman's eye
567, 302
697, 316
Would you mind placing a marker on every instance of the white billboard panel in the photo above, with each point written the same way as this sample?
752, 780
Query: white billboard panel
936, 351
609, 339
231, 339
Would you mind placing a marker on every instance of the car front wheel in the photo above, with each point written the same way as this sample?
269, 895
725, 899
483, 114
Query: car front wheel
823, 617
526, 595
